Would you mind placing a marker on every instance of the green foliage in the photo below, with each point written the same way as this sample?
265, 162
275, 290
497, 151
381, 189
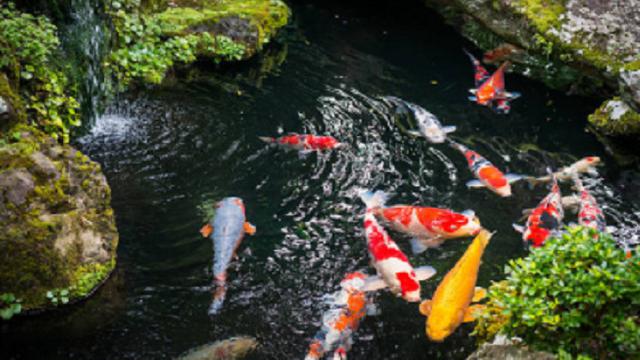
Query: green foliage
577, 295
28, 45
58, 296
9, 306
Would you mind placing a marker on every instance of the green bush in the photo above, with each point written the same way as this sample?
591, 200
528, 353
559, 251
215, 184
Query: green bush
577, 295
28, 45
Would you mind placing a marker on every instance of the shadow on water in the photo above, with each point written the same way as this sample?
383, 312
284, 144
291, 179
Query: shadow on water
169, 153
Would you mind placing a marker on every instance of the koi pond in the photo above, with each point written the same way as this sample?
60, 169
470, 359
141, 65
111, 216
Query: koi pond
170, 153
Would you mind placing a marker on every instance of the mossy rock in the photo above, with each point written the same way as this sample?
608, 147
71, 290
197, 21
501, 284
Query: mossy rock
576, 45
250, 22
12, 109
615, 118
59, 237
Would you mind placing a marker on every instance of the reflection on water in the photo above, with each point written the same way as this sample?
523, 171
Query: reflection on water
170, 153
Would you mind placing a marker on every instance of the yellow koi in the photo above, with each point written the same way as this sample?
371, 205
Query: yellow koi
451, 303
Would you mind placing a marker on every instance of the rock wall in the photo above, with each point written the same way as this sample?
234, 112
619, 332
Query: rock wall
584, 46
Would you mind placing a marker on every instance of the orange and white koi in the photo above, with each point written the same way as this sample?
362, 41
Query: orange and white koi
388, 259
545, 219
347, 307
428, 225
489, 89
487, 174
451, 303
304, 142
590, 214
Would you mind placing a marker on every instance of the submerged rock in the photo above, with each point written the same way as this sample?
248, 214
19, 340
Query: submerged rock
615, 117
584, 46
58, 240
231, 349
508, 352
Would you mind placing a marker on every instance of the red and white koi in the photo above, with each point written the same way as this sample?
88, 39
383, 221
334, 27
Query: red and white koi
347, 307
486, 173
388, 259
590, 214
489, 89
304, 142
545, 219
428, 225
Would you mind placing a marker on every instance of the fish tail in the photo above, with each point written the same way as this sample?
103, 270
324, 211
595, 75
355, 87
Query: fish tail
577, 182
373, 199
267, 139
473, 58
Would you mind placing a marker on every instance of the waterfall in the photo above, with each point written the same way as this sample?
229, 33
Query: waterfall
86, 39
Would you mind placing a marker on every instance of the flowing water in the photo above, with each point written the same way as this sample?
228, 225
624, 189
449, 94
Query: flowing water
170, 153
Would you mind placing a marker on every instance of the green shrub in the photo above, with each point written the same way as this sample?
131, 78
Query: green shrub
28, 45
577, 295
9, 306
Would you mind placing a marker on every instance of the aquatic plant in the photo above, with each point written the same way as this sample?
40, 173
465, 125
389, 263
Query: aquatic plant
576, 295
9, 306
28, 46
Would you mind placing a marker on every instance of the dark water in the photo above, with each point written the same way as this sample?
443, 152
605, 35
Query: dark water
170, 153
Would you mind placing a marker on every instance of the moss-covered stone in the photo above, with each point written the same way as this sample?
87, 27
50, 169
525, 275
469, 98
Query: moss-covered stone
615, 117
154, 36
59, 234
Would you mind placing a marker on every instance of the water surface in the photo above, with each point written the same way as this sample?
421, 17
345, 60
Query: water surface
169, 153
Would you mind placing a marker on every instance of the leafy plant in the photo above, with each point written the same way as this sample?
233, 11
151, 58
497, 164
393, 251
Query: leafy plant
28, 45
58, 296
145, 52
577, 295
9, 306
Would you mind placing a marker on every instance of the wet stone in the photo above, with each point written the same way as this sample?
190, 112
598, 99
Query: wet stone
43, 165
16, 185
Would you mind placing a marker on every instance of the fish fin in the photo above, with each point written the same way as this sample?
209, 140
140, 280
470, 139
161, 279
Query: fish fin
525, 214
373, 199
479, 294
512, 95
470, 314
414, 133
472, 98
473, 91
424, 272
249, 228
518, 228
417, 246
425, 307
302, 154
373, 310
511, 178
267, 139
206, 230
592, 172
449, 129
532, 181
475, 184
469, 213
218, 300
374, 283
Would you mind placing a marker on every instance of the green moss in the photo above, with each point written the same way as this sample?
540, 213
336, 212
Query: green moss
87, 277
149, 43
545, 14
614, 117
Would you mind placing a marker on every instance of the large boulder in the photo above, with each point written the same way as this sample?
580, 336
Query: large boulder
58, 240
585, 46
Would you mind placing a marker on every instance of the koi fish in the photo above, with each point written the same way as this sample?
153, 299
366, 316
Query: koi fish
304, 142
451, 303
235, 348
390, 262
590, 214
489, 89
226, 230
347, 307
429, 226
569, 202
584, 165
429, 126
545, 219
488, 175
504, 51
